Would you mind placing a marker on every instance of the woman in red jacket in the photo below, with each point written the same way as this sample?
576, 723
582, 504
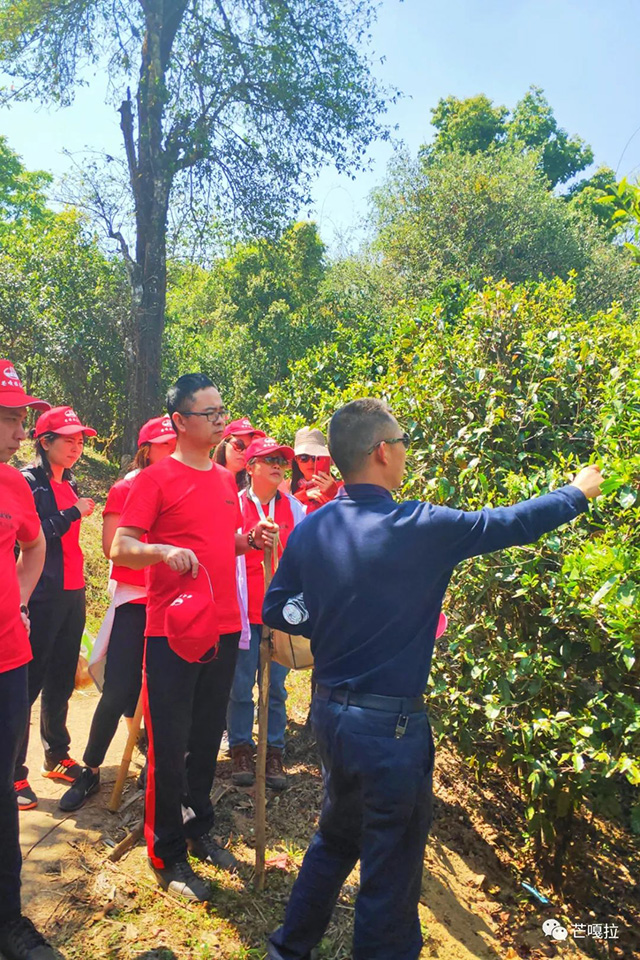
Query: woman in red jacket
116, 661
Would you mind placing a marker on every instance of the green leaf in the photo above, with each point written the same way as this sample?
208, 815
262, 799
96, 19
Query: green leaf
604, 590
627, 594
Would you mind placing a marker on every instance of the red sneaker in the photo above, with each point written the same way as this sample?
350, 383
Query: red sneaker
67, 770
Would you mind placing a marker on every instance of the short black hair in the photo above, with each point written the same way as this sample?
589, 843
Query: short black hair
354, 429
182, 391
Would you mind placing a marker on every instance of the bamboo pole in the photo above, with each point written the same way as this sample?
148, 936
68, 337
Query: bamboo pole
129, 841
263, 721
134, 732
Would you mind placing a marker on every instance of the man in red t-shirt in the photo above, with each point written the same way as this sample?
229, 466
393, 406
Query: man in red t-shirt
19, 522
188, 508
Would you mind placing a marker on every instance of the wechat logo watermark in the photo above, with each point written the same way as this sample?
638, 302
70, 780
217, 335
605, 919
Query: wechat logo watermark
598, 931
554, 929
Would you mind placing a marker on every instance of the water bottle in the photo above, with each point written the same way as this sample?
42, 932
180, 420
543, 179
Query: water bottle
294, 610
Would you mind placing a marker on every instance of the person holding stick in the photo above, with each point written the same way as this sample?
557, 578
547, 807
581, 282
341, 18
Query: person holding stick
116, 659
371, 573
188, 508
266, 462
19, 522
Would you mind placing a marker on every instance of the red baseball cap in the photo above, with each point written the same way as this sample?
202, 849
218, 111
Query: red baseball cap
442, 625
156, 430
62, 420
240, 428
191, 626
12, 393
266, 447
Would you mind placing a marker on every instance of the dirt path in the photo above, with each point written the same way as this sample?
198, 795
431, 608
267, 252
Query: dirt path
471, 909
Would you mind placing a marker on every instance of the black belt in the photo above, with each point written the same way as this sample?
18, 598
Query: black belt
372, 701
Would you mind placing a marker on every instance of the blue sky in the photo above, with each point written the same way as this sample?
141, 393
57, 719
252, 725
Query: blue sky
583, 53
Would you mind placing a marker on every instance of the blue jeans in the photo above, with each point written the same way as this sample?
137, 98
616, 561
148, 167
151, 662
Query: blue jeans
241, 708
377, 808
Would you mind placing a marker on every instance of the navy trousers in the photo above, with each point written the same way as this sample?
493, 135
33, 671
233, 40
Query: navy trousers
377, 808
14, 710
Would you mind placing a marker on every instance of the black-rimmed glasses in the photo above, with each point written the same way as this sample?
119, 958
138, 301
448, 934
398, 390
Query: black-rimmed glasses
405, 440
211, 415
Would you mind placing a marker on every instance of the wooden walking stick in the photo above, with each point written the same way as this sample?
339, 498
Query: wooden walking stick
134, 732
263, 722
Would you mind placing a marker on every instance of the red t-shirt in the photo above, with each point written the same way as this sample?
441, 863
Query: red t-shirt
18, 521
72, 556
196, 509
283, 516
116, 499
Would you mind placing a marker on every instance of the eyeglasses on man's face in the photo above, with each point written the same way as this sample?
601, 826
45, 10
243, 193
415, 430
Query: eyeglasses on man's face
211, 415
405, 440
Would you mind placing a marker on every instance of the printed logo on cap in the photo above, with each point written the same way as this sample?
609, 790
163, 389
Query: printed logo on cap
12, 378
245, 423
269, 442
167, 424
71, 416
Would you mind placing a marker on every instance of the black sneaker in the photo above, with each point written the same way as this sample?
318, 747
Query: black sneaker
180, 880
65, 769
19, 940
206, 849
25, 797
87, 783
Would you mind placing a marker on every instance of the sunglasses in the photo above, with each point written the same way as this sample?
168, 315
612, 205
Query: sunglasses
276, 461
238, 445
405, 440
305, 457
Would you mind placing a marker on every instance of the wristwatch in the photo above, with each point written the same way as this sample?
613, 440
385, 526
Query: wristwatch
251, 540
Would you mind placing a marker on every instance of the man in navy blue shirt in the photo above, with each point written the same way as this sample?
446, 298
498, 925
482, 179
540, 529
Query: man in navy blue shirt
373, 573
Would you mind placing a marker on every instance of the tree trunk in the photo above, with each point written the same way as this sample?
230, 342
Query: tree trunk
150, 177
144, 358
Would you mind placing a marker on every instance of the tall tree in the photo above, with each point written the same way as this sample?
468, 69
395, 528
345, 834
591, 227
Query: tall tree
475, 125
22, 196
236, 103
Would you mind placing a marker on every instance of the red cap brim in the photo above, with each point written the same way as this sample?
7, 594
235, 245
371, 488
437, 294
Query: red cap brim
285, 451
245, 433
164, 438
13, 400
70, 429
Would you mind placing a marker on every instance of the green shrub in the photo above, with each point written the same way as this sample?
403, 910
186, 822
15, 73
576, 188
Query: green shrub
538, 672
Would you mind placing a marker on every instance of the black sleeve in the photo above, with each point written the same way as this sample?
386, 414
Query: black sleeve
55, 523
